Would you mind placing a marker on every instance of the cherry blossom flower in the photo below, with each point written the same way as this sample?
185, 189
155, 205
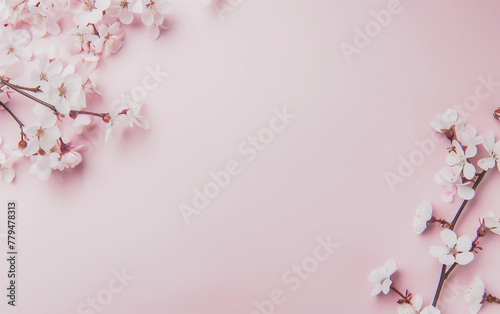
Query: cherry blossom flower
41, 20
42, 165
206, 2
125, 114
7, 173
89, 79
116, 118
41, 111
42, 136
153, 16
134, 116
78, 39
423, 214
493, 149
154, 11
64, 92
72, 158
413, 307
430, 310
456, 250
46, 70
90, 84
457, 159
122, 10
89, 62
475, 295
79, 123
13, 47
467, 135
453, 183
89, 11
11, 11
380, 278
52, 52
492, 222
445, 121
110, 39
69, 158
154, 30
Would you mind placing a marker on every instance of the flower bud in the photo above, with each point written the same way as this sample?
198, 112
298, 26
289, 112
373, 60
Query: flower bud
496, 114
22, 144
450, 133
482, 230
73, 115
106, 118
64, 149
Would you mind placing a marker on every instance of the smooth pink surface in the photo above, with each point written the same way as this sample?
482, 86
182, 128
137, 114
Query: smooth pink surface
323, 175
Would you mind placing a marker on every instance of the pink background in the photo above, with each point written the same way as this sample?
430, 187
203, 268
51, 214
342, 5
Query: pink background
323, 175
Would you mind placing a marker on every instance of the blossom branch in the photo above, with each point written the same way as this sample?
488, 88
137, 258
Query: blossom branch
462, 207
29, 89
450, 270
441, 221
22, 92
481, 232
95, 30
492, 299
13, 116
474, 246
393, 288
442, 278
90, 113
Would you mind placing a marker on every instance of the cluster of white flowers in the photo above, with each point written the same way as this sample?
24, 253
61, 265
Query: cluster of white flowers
475, 295
43, 18
64, 75
457, 178
456, 250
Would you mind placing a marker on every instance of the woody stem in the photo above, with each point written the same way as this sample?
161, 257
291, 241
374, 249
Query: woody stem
12, 115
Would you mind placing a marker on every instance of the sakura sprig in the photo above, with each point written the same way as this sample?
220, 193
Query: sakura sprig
43, 17
61, 81
380, 279
464, 171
